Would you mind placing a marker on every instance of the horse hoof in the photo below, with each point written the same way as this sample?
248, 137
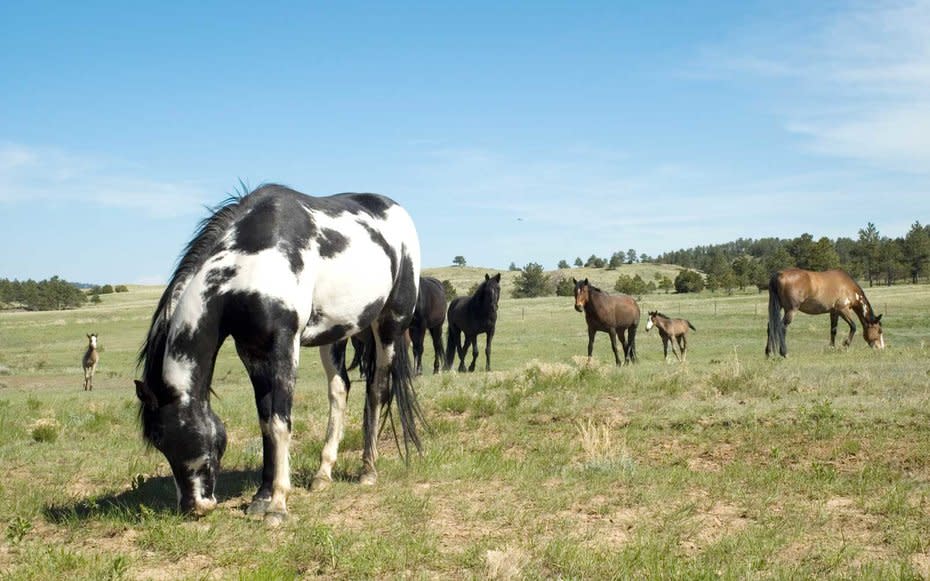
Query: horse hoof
275, 519
368, 479
320, 483
258, 507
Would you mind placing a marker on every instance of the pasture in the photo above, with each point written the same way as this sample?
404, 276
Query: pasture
729, 466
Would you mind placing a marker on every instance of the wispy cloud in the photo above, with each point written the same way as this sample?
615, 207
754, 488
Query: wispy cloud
857, 87
50, 175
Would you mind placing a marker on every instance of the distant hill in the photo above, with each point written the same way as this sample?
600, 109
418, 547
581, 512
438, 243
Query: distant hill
463, 277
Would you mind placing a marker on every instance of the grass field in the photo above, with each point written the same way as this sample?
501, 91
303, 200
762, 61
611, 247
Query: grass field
730, 466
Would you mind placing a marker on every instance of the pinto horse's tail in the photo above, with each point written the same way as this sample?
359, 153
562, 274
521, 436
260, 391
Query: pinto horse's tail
776, 327
399, 389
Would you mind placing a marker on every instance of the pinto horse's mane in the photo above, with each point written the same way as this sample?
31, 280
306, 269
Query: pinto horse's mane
209, 232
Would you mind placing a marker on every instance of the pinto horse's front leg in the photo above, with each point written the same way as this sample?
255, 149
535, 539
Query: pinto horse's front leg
273, 378
333, 359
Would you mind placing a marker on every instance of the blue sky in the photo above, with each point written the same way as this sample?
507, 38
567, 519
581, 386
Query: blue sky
512, 133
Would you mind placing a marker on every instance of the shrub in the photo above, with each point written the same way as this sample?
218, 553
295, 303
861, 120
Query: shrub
689, 281
121, 288
450, 289
531, 282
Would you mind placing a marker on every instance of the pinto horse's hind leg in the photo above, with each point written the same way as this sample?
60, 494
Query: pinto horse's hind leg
387, 338
333, 358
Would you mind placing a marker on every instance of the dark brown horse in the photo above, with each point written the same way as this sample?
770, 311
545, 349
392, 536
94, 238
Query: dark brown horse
429, 315
671, 330
473, 315
816, 293
611, 314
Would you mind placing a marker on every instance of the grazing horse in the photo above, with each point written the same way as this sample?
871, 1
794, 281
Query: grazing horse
89, 362
816, 293
611, 314
429, 315
276, 270
473, 315
671, 330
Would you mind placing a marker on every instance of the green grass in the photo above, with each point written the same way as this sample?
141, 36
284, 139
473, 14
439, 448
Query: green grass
729, 466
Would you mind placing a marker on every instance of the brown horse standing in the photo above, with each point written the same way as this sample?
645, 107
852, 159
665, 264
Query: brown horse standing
671, 330
89, 362
611, 314
816, 293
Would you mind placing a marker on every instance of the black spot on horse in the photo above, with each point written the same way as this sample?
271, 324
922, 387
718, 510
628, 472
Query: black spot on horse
216, 278
331, 243
373, 204
331, 335
293, 226
370, 313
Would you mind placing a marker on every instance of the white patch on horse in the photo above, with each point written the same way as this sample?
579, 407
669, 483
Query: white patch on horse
341, 286
197, 463
649, 324
178, 373
93, 341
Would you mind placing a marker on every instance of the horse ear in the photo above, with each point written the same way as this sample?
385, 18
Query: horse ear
145, 395
574, 281
497, 277
586, 280
878, 319
487, 277
88, 335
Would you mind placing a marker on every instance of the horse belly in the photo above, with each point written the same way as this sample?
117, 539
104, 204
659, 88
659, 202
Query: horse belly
814, 307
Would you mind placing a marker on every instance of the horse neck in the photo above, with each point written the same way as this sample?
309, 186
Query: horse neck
187, 357
596, 298
863, 307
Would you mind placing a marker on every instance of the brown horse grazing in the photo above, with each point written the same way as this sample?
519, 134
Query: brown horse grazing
611, 314
671, 330
816, 293
89, 362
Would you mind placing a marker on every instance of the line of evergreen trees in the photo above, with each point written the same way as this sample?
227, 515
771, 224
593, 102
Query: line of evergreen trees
44, 295
870, 257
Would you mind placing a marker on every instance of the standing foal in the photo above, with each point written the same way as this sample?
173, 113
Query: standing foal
89, 362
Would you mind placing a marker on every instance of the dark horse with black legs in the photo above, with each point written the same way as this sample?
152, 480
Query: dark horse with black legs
611, 314
429, 315
816, 293
277, 270
472, 316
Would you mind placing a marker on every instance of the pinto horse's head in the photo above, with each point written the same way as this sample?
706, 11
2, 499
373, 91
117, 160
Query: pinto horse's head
582, 294
872, 333
192, 438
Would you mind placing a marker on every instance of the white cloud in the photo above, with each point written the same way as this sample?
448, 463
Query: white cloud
858, 86
50, 175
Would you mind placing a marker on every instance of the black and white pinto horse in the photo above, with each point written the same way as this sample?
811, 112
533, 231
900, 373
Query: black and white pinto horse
473, 315
277, 270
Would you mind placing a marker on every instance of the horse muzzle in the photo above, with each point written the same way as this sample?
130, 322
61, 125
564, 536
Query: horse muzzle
578, 307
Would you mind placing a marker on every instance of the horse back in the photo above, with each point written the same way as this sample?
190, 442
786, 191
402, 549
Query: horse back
815, 292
